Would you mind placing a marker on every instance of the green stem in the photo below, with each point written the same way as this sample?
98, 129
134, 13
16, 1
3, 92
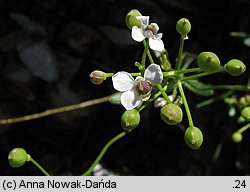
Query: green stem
188, 71
196, 76
148, 52
39, 167
143, 60
244, 128
56, 110
178, 63
132, 74
163, 93
190, 120
103, 151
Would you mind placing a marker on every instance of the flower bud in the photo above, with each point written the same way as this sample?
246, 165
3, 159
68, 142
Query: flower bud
183, 26
131, 19
209, 62
237, 137
246, 113
97, 77
130, 119
193, 137
235, 67
171, 114
17, 157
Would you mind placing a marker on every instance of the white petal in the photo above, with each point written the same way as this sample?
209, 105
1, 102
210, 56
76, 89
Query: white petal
130, 99
156, 44
137, 79
137, 34
143, 19
153, 74
158, 36
146, 97
122, 81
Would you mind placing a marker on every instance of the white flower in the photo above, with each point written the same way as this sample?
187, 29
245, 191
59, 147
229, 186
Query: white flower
135, 91
148, 31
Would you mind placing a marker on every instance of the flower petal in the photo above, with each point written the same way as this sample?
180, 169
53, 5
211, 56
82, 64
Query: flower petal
122, 81
156, 44
143, 19
130, 99
153, 74
146, 96
137, 34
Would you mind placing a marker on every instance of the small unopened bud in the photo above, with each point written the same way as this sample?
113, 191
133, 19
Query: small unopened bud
171, 114
193, 137
143, 87
246, 113
130, 119
17, 157
183, 26
209, 62
131, 19
97, 77
237, 137
235, 67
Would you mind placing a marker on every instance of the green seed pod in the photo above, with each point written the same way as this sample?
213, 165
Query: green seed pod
17, 157
171, 114
244, 101
193, 137
246, 113
235, 67
237, 137
131, 19
183, 26
130, 119
209, 62
97, 77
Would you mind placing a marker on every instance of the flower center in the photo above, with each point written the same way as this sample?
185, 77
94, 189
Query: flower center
151, 30
143, 87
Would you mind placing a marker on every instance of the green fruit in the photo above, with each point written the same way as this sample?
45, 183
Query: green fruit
171, 114
17, 157
193, 137
244, 101
235, 67
183, 26
246, 113
237, 137
130, 119
131, 19
209, 62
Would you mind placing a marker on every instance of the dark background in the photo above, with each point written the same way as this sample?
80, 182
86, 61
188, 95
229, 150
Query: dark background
47, 51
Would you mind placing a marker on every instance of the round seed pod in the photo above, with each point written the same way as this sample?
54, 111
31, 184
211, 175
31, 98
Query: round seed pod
97, 77
171, 114
237, 137
17, 157
246, 113
244, 101
193, 137
130, 119
235, 67
209, 62
131, 19
183, 26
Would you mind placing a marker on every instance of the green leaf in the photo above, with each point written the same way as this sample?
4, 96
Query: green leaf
238, 34
199, 88
247, 41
